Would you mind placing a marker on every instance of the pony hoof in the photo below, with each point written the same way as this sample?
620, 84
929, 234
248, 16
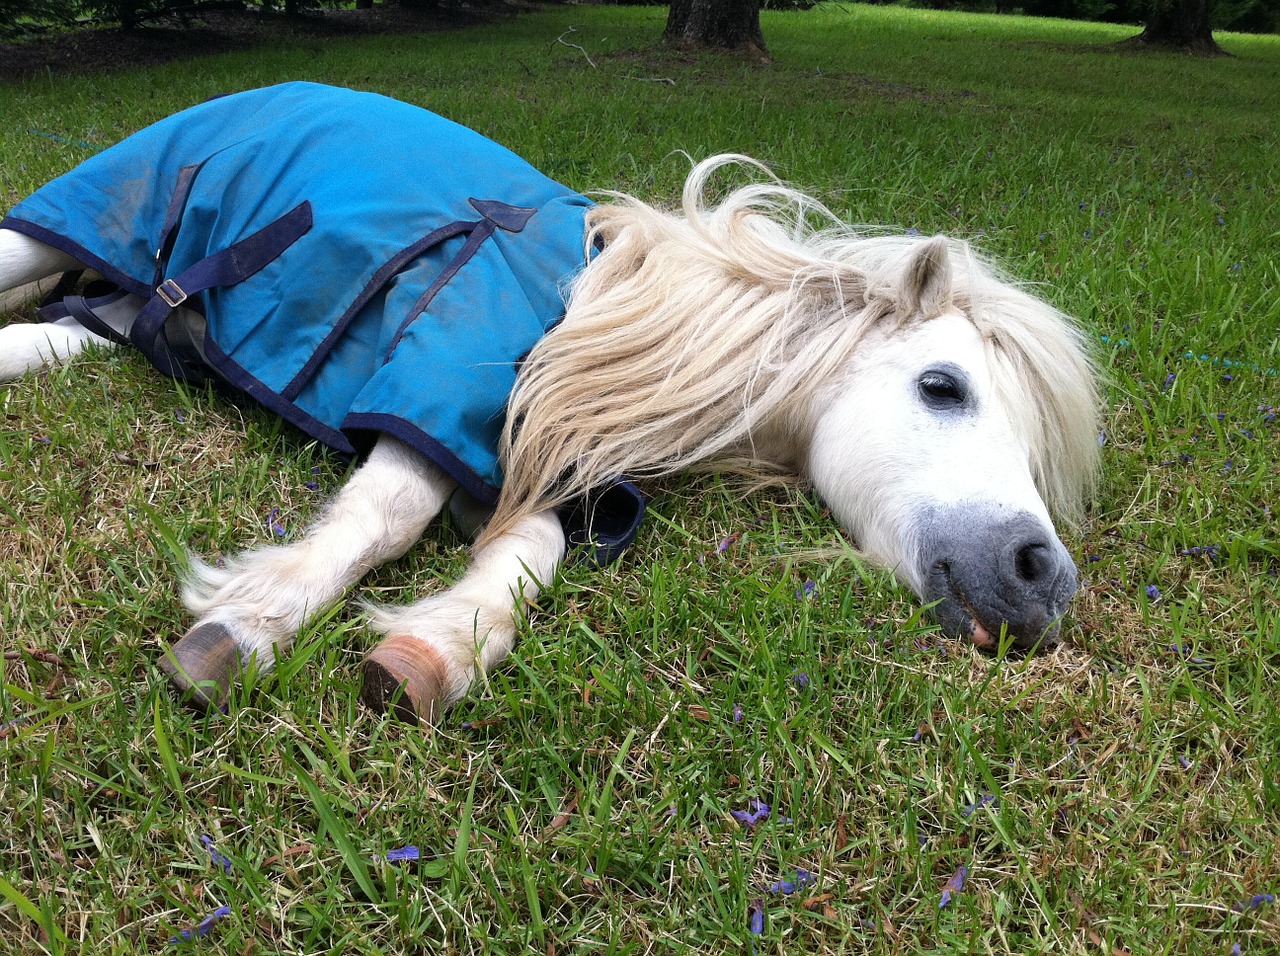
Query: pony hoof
405, 675
201, 665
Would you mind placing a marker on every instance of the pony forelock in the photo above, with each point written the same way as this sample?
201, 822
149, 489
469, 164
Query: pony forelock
695, 330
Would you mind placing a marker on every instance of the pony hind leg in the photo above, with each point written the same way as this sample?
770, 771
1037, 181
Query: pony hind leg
26, 347
435, 648
253, 605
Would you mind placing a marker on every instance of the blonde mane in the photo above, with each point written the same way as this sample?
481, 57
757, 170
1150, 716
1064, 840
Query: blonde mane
692, 331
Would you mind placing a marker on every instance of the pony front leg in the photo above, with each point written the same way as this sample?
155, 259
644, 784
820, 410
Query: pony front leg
252, 606
435, 648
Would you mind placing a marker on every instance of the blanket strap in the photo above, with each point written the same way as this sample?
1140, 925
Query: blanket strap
85, 311
225, 267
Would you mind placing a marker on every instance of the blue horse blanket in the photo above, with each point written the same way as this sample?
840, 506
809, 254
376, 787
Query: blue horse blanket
357, 265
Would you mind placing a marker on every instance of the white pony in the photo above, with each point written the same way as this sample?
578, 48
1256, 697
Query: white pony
941, 412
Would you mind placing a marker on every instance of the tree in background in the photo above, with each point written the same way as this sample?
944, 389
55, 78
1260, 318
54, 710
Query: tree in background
1180, 24
722, 24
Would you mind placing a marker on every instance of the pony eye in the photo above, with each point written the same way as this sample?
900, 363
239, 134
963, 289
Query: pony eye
941, 390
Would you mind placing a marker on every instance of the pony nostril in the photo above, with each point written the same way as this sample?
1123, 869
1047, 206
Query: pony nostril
1033, 563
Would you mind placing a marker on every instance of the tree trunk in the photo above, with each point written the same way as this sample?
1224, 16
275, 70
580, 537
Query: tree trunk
722, 24
1182, 25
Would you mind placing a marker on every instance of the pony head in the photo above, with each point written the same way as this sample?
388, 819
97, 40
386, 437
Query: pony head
944, 414
966, 420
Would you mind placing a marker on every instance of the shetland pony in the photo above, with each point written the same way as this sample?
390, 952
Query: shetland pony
942, 413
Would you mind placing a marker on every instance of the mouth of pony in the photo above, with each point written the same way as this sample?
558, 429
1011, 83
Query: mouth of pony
959, 617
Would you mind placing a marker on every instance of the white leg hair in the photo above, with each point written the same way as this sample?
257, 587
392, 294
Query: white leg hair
24, 260
254, 604
437, 647
26, 347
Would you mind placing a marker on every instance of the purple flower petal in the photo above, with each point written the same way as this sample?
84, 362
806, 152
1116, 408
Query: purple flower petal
727, 542
806, 590
983, 800
217, 858
737, 713
1254, 902
756, 811
953, 885
201, 929
404, 853
1153, 592
1208, 550
11, 726
786, 887
755, 917
800, 679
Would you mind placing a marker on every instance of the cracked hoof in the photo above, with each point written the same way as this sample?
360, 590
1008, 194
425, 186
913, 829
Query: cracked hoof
202, 665
406, 675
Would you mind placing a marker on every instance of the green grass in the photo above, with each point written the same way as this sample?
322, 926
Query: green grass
1137, 769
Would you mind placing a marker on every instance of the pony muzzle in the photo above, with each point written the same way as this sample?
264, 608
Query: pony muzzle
1006, 581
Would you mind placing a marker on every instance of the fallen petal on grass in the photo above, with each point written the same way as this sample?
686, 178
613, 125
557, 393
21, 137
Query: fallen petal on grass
1261, 899
403, 854
787, 887
756, 811
984, 800
218, 859
953, 885
202, 928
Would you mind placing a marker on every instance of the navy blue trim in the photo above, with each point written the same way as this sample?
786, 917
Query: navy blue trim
83, 311
77, 252
386, 272
475, 239
503, 214
246, 384
416, 438
65, 286
172, 217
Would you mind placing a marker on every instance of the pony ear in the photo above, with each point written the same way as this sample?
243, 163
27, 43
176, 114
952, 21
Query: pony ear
926, 284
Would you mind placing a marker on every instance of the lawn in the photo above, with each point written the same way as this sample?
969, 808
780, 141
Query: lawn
1121, 794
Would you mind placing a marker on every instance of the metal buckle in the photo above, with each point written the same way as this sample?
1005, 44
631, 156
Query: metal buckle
172, 293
